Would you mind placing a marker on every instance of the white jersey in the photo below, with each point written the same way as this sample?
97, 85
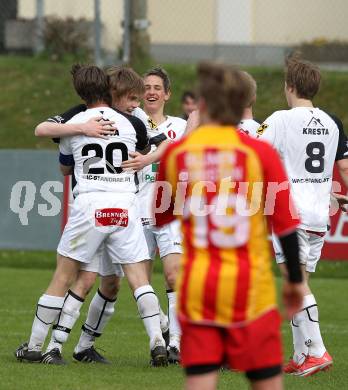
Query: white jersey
97, 161
309, 141
249, 126
173, 128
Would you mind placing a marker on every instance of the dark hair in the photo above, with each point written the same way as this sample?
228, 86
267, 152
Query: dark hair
161, 73
303, 76
188, 94
224, 90
91, 84
124, 80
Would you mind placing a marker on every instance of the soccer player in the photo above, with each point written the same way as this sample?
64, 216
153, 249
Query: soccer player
104, 213
227, 300
188, 103
102, 307
309, 141
126, 87
248, 124
166, 239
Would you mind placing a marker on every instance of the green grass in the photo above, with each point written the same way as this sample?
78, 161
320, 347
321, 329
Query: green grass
37, 88
25, 275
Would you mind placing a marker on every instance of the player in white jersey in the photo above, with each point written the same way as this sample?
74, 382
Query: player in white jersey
105, 212
248, 125
166, 239
126, 88
309, 142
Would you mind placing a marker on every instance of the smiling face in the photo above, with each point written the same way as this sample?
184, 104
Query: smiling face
155, 95
127, 103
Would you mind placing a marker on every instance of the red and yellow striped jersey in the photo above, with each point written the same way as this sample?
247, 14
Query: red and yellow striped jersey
219, 179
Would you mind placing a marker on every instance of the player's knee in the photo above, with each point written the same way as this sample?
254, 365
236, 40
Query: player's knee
84, 283
170, 276
110, 286
170, 273
63, 280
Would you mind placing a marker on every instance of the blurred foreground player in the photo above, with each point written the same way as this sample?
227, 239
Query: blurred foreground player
309, 141
226, 292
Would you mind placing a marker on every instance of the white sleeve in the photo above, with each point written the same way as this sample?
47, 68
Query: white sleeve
141, 114
65, 152
270, 130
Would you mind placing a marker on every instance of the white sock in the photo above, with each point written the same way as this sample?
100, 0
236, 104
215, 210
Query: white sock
66, 320
99, 314
315, 343
164, 321
300, 348
174, 327
47, 311
148, 307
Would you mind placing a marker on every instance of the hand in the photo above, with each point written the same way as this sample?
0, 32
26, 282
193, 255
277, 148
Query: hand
342, 201
192, 121
138, 162
98, 128
293, 294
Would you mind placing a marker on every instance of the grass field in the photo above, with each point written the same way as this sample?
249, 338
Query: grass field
37, 88
24, 276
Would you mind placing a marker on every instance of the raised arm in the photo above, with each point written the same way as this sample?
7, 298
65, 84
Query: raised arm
95, 127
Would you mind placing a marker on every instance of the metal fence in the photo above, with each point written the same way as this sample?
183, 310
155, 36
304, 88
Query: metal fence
248, 32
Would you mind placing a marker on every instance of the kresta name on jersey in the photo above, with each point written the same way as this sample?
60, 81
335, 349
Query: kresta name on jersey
311, 131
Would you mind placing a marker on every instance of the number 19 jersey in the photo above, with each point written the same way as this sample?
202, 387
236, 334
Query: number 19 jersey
97, 161
309, 141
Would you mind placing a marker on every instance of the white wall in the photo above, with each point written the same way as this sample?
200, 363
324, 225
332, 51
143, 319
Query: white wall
234, 21
294, 21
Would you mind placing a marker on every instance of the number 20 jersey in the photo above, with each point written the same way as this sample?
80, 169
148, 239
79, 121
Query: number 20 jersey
309, 141
97, 161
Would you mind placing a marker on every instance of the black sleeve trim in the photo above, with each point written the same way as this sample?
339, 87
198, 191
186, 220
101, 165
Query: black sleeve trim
342, 146
67, 115
291, 252
158, 139
140, 129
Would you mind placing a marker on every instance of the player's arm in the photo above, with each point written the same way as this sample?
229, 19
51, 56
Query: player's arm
66, 170
269, 130
56, 126
343, 170
66, 158
342, 150
193, 121
95, 127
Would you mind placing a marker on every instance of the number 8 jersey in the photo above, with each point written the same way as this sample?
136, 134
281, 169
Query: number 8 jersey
97, 161
309, 141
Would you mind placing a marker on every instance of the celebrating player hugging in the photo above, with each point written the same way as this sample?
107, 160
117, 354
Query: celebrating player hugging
118, 232
127, 162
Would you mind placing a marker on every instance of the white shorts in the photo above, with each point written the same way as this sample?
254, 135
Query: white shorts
102, 264
166, 238
310, 245
104, 219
